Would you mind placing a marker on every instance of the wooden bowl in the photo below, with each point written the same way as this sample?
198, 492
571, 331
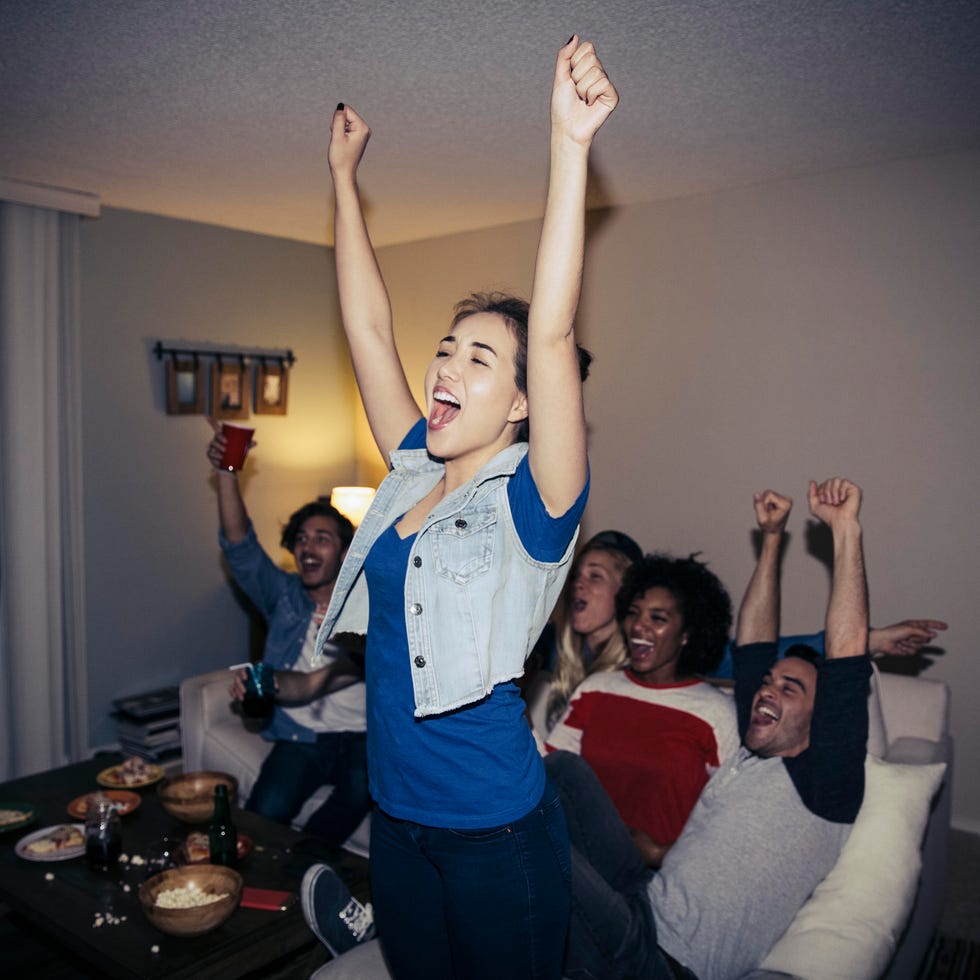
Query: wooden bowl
191, 797
210, 879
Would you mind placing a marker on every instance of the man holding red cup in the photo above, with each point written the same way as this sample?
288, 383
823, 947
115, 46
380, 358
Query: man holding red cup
317, 725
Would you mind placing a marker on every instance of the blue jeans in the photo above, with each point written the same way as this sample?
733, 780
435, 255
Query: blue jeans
293, 771
612, 931
472, 904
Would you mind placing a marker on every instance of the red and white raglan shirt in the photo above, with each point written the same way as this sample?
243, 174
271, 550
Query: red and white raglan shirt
653, 746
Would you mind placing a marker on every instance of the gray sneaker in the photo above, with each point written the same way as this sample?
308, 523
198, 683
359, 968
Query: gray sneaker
337, 919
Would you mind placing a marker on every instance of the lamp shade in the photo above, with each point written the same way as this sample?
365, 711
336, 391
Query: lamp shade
352, 502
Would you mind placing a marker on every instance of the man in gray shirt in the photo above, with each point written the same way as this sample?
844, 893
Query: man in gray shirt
771, 822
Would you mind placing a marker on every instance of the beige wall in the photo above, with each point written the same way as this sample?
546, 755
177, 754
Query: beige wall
159, 605
758, 337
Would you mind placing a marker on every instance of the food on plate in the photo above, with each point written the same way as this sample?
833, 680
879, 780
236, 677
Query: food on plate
187, 898
93, 799
58, 839
133, 772
13, 816
123, 800
197, 847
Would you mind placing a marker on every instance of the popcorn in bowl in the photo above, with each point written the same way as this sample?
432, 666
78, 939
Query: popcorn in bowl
191, 899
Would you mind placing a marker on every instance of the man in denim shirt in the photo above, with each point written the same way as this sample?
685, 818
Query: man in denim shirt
318, 725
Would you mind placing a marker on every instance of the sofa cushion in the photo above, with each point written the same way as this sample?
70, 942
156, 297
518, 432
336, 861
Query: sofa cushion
877, 734
919, 751
849, 927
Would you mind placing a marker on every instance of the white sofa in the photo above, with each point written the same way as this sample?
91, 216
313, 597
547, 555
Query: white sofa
214, 736
874, 915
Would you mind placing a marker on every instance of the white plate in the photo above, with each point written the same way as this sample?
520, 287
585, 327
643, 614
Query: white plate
63, 855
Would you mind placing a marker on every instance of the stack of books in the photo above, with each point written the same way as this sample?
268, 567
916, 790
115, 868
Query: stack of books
148, 724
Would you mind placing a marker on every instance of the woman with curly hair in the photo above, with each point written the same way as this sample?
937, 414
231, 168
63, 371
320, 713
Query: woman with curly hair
654, 732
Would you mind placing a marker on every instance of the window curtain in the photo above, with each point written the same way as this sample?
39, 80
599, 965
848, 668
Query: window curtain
43, 686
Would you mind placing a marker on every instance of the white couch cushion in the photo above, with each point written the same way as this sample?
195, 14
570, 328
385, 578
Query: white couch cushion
877, 734
849, 927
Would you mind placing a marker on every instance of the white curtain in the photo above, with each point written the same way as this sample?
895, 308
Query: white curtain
43, 703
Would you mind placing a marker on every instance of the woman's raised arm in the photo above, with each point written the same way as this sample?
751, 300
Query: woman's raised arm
581, 100
364, 303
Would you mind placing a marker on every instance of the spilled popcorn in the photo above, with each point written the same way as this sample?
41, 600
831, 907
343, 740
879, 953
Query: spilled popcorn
107, 919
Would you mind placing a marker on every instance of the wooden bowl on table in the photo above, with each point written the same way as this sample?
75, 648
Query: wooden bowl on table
190, 797
193, 889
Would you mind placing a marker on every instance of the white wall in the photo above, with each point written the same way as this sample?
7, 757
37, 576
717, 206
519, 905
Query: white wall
758, 337
159, 605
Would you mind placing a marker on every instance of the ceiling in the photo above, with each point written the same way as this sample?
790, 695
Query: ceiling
217, 110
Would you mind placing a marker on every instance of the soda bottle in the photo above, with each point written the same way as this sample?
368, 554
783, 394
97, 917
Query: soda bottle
222, 836
103, 834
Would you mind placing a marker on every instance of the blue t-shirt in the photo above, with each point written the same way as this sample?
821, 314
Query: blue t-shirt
474, 767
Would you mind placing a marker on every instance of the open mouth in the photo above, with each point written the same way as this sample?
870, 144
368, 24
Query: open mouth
641, 651
764, 715
445, 407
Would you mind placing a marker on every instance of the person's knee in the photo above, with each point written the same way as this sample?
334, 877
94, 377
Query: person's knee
567, 768
271, 804
273, 798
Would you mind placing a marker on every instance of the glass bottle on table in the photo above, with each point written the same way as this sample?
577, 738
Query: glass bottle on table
222, 835
103, 834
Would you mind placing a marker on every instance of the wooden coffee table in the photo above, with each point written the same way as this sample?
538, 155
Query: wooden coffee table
66, 899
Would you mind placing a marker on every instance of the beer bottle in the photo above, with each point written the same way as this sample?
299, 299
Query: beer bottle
222, 836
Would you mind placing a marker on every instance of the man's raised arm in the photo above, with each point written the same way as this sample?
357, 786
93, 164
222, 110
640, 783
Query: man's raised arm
837, 502
758, 616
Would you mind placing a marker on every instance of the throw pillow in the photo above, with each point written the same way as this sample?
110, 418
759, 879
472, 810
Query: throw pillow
849, 927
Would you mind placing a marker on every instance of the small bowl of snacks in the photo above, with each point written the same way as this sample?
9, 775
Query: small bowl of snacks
190, 797
191, 900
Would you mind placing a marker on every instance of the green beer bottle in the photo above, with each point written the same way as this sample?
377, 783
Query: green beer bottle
222, 836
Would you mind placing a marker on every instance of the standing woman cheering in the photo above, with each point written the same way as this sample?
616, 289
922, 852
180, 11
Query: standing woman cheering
463, 554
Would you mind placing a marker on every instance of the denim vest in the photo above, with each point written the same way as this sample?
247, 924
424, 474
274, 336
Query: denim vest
475, 600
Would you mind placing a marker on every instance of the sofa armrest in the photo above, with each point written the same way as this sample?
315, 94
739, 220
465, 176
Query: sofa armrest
204, 701
930, 896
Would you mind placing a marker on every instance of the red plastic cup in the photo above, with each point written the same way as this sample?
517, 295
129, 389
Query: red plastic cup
237, 438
